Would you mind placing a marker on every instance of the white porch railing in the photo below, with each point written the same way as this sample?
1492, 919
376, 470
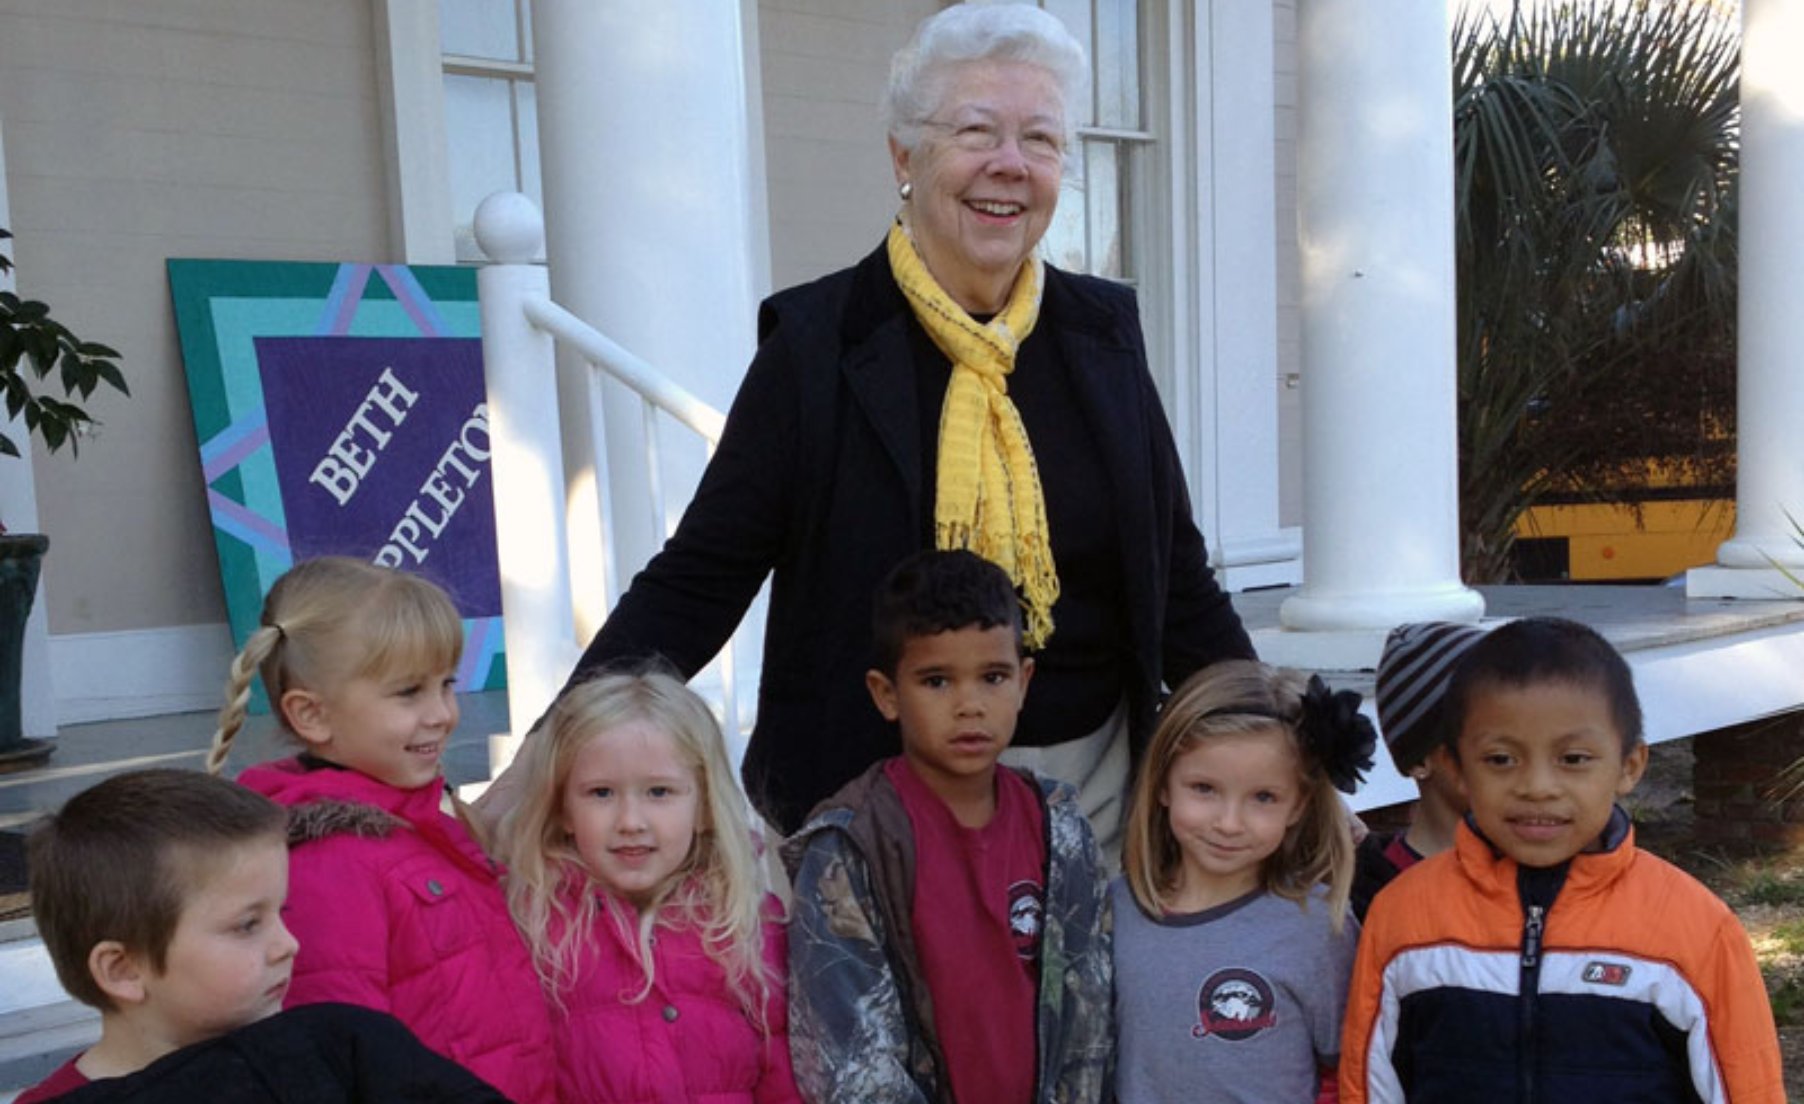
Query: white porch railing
520, 326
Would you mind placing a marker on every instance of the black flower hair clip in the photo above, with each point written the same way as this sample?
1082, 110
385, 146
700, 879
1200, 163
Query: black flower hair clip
1337, 734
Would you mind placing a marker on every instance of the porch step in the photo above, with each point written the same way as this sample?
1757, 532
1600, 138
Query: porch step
40, 1027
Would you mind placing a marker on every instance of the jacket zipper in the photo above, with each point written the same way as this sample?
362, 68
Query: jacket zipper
1533, 925
1040, 1086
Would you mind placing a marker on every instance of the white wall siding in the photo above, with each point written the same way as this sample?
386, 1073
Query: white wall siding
832, 193
137, 132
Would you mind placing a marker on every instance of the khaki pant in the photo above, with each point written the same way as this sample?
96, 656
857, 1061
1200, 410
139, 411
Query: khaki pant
1097, 767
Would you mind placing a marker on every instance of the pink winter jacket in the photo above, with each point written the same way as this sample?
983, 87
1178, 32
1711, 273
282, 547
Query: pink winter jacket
396, 908
688, 1041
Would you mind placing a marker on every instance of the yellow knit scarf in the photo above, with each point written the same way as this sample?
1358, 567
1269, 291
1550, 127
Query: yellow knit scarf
988, 496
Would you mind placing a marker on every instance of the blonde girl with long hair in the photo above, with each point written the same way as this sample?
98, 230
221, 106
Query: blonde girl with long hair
394, 902
634, 879
1231, 915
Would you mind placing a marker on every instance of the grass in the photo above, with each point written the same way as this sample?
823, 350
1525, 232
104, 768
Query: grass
1781, 947
1787, 996
1764, 887
1790, 937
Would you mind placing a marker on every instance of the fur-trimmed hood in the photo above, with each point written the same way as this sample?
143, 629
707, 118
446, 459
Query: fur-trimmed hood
318, 819
325, 801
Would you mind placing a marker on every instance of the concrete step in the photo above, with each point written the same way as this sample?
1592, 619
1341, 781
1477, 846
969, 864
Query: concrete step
40, 1027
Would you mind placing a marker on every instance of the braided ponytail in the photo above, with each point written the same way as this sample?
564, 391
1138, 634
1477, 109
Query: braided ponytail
331, 618
260, 646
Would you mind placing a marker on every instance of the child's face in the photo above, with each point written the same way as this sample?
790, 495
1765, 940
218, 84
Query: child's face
1438, 781
1231, 799
229, 961
1542, 766
393, 728
631, 804
956, 696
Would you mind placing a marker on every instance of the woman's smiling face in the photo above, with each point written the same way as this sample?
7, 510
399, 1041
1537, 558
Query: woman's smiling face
985, 177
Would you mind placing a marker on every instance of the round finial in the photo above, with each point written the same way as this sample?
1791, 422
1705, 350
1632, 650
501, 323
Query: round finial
509, 228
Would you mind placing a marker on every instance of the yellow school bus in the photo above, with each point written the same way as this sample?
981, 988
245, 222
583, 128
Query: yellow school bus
1668, 528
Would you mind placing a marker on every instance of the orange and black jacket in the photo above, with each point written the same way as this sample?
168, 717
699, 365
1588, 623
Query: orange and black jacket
1615, 977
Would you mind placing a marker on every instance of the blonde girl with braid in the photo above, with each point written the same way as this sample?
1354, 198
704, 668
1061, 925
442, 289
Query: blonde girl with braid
635, 882
394, 901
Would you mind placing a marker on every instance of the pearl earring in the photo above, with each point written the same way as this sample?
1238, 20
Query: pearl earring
905, 189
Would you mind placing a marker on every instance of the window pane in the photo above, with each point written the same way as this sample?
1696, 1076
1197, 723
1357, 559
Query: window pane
1075, 14
1108, 248
1064, 242
479, 137
1117, 65
479, 28
527, 99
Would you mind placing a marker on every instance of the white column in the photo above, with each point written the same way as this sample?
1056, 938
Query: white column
1769, 411
19, 510
519, 371
1375, 227
654, 228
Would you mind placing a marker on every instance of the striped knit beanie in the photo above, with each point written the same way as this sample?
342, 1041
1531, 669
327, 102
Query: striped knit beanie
1413, 674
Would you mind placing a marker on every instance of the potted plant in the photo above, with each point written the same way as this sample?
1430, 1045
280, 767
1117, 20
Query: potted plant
38, 355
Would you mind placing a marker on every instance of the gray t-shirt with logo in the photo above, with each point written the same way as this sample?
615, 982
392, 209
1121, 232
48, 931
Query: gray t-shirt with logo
1240, 1002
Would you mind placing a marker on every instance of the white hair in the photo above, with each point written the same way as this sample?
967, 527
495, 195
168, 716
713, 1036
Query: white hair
977, 31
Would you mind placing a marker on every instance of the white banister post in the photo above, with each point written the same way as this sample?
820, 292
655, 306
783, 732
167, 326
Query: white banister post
526, 466
1769, 369
1375, 227
646, 142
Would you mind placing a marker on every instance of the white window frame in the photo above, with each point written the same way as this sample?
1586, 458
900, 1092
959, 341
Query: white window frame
511, 72
411, 71
1212, 325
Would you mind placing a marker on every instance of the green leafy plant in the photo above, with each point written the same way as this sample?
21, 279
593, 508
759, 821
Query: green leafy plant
36, 349
1595, 154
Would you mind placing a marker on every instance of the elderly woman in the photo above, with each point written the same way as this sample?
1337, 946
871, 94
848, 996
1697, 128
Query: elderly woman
952, 390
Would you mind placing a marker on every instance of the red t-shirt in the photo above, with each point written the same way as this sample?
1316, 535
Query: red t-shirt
66, 1079
1400, 853
979, 898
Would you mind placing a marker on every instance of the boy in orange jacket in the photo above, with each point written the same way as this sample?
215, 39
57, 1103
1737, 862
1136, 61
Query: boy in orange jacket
1545, 956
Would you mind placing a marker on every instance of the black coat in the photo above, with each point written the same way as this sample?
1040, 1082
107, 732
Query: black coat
817, 482
314, 1054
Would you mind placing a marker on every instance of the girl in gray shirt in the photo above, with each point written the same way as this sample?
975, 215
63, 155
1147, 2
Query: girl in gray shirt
1233, 944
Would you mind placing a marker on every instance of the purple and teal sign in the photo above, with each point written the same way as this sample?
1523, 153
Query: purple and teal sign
381, 448
341, 410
